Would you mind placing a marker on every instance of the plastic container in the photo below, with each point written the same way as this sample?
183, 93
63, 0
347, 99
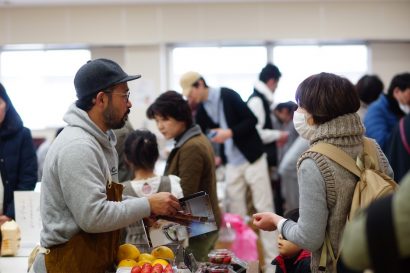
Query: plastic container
217, 269
220, 256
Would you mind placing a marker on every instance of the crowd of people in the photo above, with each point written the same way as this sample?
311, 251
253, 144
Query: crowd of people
99, 178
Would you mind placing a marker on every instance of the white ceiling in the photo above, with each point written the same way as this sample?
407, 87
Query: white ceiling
6, 3
113, 2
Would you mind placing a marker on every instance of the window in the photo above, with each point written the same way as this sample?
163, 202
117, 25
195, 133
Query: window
234, 67
298, 62
40, 83
238, 67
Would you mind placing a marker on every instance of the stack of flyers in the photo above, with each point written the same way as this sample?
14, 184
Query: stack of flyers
195, 218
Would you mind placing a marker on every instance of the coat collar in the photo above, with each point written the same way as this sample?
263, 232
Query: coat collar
262, 88
191, 132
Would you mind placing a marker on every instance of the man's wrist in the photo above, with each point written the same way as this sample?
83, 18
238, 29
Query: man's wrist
280, 225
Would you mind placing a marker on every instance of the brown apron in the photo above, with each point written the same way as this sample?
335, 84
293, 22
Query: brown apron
87, 252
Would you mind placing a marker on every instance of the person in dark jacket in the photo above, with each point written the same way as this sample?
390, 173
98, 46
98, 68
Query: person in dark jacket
369, 88
18, 162
384, 113
228, 121
292, 258
398, 149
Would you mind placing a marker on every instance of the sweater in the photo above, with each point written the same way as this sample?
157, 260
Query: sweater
326, 188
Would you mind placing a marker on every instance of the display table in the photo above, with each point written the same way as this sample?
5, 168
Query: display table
16, 264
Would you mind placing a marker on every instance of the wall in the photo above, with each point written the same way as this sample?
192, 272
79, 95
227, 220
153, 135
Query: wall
175, 23
390, 59
136, 35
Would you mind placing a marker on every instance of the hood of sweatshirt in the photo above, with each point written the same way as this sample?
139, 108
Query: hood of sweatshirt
79, 118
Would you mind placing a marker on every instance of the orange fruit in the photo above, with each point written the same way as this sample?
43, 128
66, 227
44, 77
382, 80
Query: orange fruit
142, 262
128, 251
162, 262
127, 263
163, 252
146, 257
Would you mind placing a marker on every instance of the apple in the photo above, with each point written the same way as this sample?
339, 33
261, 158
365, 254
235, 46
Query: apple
146, 268
136, 269
218, 259
157, 268
227, 260
168, 269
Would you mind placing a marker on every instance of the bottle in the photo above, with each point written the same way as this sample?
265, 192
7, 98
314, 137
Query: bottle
10, 238
226, 236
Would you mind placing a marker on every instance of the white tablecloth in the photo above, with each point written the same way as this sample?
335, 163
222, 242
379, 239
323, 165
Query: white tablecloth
16, 264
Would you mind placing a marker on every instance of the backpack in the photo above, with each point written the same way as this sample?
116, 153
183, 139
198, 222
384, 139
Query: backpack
372, 184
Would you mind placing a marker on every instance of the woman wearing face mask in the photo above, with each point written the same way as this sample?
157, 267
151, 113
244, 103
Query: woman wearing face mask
327, 113
384, 114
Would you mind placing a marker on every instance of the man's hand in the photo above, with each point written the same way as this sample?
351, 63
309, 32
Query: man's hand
3, 219
266, 220
164, 203
221, 135
151, 221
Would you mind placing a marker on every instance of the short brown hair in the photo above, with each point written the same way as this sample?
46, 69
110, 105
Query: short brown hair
326, 96
171, 104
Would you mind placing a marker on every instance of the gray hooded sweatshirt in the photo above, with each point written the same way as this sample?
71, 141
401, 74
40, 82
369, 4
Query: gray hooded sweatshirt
73, 195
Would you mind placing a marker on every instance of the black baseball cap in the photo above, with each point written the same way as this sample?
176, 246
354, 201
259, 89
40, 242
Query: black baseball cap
99, 74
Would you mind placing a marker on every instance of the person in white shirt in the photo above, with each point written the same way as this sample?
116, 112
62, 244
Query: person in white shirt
260, 102
141, 153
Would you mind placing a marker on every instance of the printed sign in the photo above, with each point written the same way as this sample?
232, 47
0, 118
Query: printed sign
27, 209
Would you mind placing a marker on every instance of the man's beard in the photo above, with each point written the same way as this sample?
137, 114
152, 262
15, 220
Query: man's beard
111, 120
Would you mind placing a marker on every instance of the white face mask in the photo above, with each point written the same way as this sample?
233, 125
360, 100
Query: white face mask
302, 127
405, 108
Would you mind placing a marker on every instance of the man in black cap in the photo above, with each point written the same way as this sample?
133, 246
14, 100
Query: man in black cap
81, 206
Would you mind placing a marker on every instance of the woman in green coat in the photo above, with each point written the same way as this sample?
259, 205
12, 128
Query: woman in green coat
192, 159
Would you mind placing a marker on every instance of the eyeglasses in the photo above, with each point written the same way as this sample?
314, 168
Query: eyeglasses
125, 96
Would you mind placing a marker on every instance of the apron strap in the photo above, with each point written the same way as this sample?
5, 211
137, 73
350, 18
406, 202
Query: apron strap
37, 250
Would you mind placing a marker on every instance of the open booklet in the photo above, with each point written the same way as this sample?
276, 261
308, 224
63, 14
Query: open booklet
196, 218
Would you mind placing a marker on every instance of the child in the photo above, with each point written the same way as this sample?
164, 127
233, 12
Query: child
141, 153
291, 259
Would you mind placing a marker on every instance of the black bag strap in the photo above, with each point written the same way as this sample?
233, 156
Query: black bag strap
381, 237
164, 184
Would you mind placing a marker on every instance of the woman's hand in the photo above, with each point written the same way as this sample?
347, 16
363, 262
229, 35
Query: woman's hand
266, 220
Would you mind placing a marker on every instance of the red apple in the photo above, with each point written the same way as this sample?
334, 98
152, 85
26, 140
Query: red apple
146, 268
157, 268
136, 269
227, 260
168, 269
